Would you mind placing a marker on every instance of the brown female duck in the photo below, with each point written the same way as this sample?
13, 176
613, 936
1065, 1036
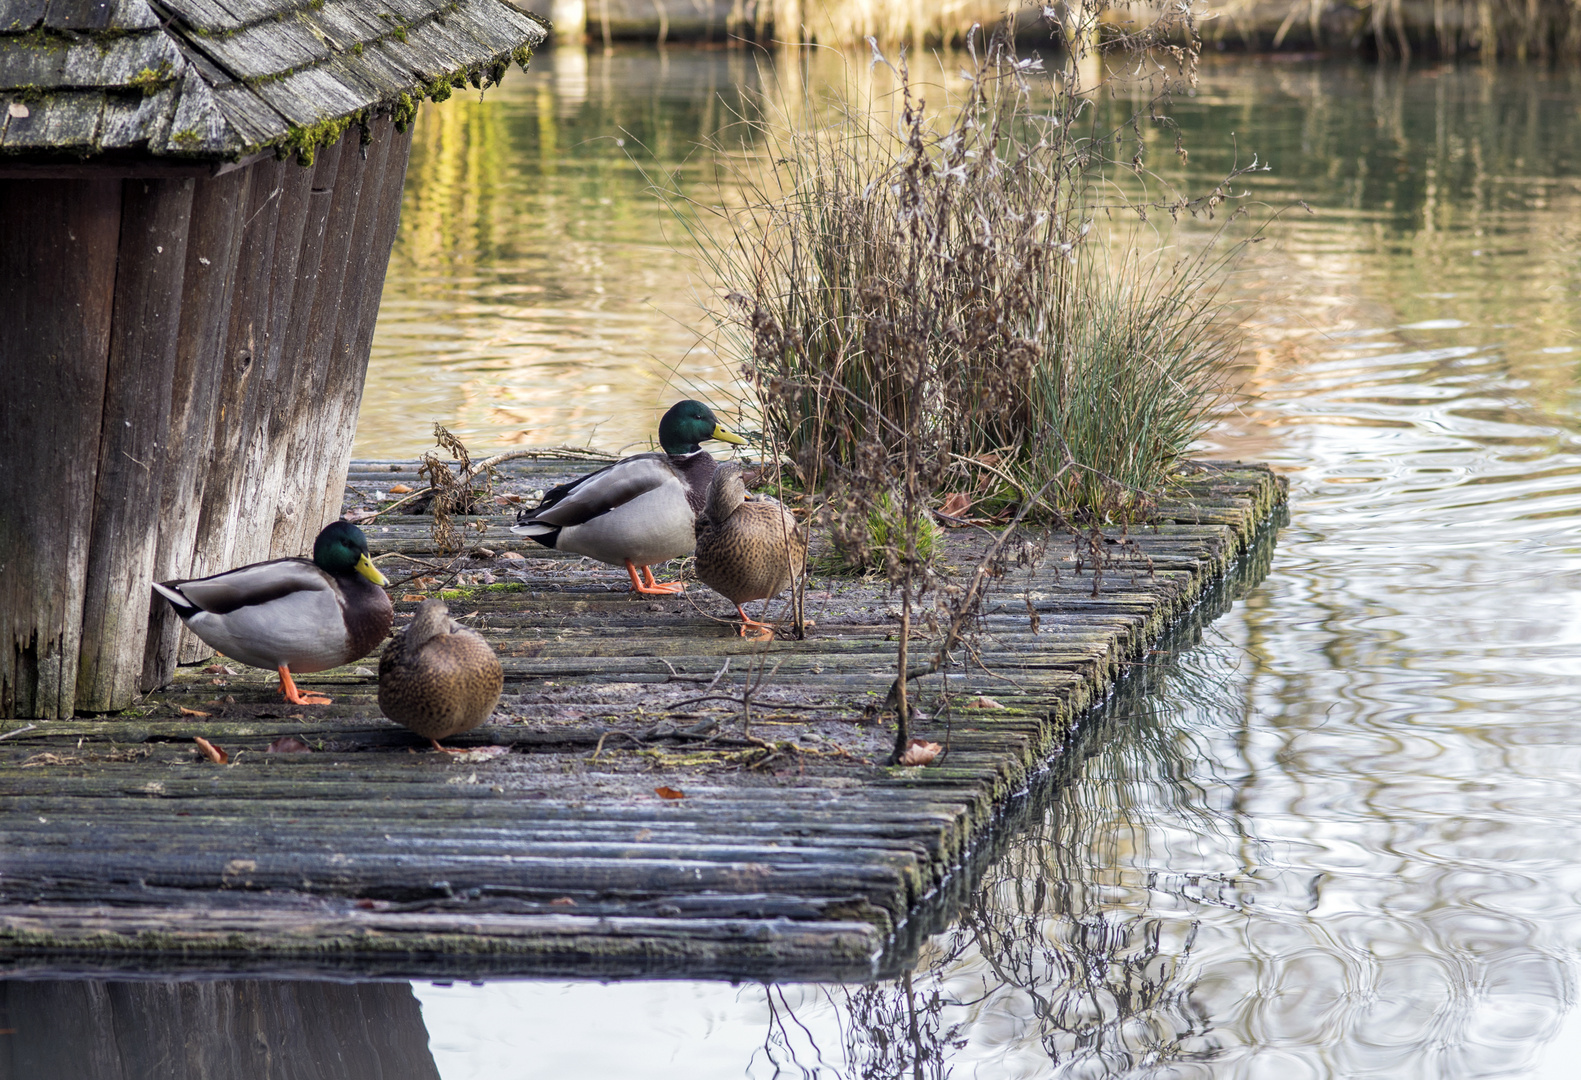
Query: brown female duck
749, 547
438, 678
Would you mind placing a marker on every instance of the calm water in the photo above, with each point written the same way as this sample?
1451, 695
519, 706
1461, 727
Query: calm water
1341, 836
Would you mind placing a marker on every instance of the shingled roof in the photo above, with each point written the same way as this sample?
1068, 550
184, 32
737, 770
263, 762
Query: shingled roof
223, 79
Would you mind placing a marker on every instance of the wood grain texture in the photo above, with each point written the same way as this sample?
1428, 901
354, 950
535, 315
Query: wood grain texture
793, 848
131, 454
57, 278
311, 459
218, 208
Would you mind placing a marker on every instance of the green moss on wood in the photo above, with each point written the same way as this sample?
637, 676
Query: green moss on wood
152, 80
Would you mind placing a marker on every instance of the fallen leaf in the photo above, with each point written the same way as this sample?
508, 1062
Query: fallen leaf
192, 712
956, 504
365, 905
218, 682
400, 489
412, 598
210, 751
289, 744
920, 753
644, 834
983, 703
562, 901
669, 793
356, 517
479, 753
513, 556
219, 669
17, 110
507, 500
425, 582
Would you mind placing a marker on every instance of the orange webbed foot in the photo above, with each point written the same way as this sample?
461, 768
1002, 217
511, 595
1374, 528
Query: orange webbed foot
651, 587
295, 696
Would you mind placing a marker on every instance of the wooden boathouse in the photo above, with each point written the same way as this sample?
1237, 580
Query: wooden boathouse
197, 204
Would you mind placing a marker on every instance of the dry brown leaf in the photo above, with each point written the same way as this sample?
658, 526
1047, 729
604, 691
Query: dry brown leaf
412, 598
357, 517
562, 901
210, 751
669, 793
219, 669
956, 504
981, 702
424, 582
920, 753
52, 759
513, 556
192, 712
289, 744
400, 489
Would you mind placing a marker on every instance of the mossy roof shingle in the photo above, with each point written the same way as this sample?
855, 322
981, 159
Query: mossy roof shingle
220, 79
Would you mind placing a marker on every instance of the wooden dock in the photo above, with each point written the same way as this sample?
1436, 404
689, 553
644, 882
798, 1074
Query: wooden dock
671, 799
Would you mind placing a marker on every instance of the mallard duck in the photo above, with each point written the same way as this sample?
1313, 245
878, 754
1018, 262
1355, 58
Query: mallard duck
439, 678
292, 614
640, 510
749, 547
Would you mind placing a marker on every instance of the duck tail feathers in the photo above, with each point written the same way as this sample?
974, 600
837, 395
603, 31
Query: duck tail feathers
540, 531
171, 591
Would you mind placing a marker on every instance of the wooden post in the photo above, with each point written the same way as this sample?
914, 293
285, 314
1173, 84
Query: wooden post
57, 284
126, 504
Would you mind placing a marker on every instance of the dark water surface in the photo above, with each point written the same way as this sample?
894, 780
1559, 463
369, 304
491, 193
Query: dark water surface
1338, 834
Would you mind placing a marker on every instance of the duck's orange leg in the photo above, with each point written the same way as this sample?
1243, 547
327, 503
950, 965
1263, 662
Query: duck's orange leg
652, 586
295, 696
761, 629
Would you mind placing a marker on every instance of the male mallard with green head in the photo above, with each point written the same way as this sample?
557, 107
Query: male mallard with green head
749, 547
292, 614
439, 678
640, 510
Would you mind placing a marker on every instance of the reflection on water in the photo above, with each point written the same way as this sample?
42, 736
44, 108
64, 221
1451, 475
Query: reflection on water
1338, 840
1339, 836
223, 1030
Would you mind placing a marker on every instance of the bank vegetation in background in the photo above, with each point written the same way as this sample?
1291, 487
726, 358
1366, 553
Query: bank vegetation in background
1518, 29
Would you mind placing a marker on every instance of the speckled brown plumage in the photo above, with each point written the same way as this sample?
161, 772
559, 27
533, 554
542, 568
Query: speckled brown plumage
439, 678
747, 548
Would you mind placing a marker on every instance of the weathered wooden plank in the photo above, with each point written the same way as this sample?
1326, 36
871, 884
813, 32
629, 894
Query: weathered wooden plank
141, 120
66, 120
80, 14
553, 826
57, 276
264, 49
338, 182
298, 371
19, 15
378, 218
213, 242
245, 346
272, 381
124, 536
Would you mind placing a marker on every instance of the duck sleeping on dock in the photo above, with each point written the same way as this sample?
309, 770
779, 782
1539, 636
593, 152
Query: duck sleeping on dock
640, 510
292, 615
749, 547
439, 679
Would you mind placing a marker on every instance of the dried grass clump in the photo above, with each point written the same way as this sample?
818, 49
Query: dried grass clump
929, 287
